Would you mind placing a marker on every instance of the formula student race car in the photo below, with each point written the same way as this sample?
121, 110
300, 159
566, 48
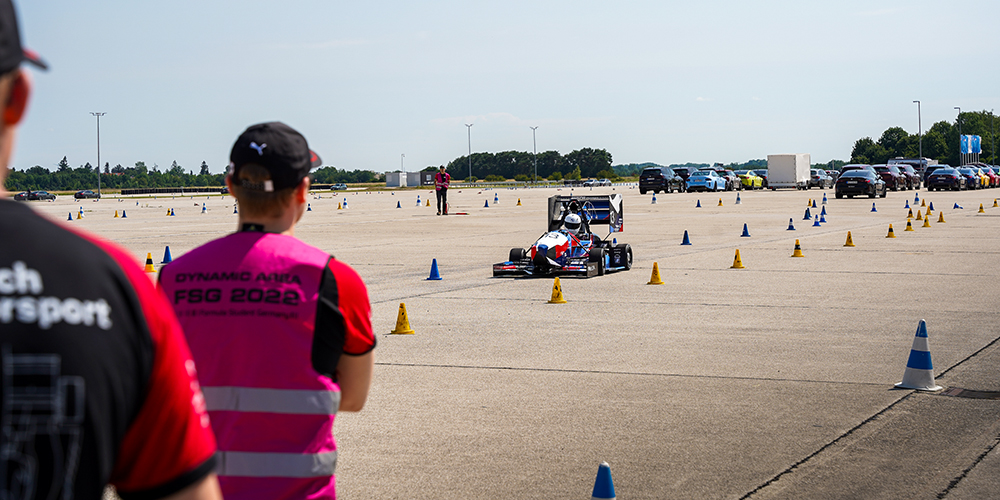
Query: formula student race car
569, 247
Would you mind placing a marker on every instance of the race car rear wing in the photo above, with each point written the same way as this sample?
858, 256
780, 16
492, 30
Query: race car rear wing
599, 209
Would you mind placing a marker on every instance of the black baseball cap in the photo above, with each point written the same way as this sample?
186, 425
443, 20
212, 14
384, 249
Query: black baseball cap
278, 148
11, 52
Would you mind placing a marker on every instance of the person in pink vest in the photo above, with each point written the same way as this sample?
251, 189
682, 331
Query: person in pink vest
280, 330
442, 180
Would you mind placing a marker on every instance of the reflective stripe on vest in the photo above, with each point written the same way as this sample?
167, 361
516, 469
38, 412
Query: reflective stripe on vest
302, 402
253, 464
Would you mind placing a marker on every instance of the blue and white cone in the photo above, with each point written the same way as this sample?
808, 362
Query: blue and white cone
654, 199
816, 221
737, 198
919, 373
604, 487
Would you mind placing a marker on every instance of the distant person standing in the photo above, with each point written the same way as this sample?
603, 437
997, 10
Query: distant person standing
442, 180
281, 331
97, 383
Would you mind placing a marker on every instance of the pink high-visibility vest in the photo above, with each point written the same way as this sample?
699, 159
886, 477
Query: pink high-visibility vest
247, 303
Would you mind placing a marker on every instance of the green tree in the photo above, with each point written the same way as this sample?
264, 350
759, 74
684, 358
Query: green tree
204, 168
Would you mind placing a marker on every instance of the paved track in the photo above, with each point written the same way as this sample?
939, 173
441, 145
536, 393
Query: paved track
774, 381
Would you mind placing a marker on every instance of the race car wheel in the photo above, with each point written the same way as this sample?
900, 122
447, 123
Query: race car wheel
625, 250
598, 255
517, 254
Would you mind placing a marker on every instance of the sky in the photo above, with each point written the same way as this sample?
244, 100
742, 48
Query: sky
384, 85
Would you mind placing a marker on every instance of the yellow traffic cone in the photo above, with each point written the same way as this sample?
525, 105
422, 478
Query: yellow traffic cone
737, 262
168, 211
720, 202
981, 209
995, 203
850, 242
940, 217
428, 202
927, 222
518, 202
809, 203
654, 279
923, 203
909, 214
919, 217
909, 226
891, 234
929, 212
149, 264
798, 250
557, 296
402, 323
79, 215
339, 206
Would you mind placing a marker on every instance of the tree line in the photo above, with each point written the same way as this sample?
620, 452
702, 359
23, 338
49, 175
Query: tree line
940, 141
517, 165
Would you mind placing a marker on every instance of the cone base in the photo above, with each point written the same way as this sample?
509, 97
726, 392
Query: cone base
402, 332
557, 301
655, 283
934, 388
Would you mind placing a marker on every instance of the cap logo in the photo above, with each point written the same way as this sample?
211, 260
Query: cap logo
260, 149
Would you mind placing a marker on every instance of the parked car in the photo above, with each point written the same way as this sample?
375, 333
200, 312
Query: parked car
833, 174
994, 178
22, 196
732, 180
855, 166
658, 179
893, 178
929, 169
684, 172
705, 180
340, 186
41, 195
603, 182
86, 193
819, 178
750, 180
911, 175
861, 182
763, 176
972, 178
945, 178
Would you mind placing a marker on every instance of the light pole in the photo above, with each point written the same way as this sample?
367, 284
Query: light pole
993, 136
920, 136
403, 180
98, 115
534, 147
469, 127
961, 157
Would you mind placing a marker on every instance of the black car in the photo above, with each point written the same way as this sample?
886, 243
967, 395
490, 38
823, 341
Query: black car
658, 179
912, 177
684, 172
86, 193
860, 181
971, 177
945, 178
929, 169
22, 196
41, 195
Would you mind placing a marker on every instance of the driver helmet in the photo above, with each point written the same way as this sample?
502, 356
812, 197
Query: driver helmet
574, 224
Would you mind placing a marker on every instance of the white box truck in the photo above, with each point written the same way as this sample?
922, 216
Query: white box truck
788, 171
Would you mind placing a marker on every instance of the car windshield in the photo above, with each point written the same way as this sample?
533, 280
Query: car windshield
699, 173
944, 171
650, 171
966, 171
855, 173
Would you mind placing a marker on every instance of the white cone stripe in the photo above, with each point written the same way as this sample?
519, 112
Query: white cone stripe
921, 344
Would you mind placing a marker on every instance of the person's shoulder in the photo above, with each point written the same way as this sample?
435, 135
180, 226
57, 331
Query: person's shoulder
344, 272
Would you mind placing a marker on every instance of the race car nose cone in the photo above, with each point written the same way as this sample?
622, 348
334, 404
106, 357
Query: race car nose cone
540, 259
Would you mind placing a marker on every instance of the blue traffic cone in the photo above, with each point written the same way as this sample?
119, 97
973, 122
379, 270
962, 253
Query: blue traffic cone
807, 216
487, 205
614, 241
916, 198
69, 216
234, 209
746, 233
604, 487
698, 205
824, 198
822, 218
345, 203
654, 199
790, 226
435, 276
123, 214
957, 206
738, 198
907, 204
309, 207
814, 204
687, 241
930, 206
418, 200
204, 209
816, 221
171, 212
873, 208
919, 372
166, 256
398, 205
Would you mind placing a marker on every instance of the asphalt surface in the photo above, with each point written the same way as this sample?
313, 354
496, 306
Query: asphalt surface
773, 381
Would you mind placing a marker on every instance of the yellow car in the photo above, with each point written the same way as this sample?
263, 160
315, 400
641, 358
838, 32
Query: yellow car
984, 180
750, 180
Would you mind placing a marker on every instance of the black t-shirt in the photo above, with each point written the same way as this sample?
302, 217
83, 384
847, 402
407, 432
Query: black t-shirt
96, 384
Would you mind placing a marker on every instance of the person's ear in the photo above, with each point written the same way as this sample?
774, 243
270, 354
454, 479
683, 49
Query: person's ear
302, 190
17, 100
